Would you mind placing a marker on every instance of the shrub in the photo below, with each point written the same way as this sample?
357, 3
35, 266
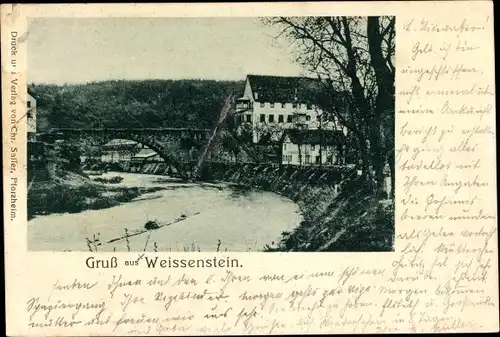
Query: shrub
101, 203
112, 180
56, 199
151, 225
128, 194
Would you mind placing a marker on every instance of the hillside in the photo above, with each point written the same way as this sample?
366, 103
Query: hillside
149, 103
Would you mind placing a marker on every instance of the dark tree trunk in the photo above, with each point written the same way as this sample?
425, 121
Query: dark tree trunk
377, 152
392, 164
384, 104
364, 157
321, 147
384, 76
300, 154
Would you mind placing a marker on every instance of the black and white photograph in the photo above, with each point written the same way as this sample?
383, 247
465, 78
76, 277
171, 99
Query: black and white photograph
237, 134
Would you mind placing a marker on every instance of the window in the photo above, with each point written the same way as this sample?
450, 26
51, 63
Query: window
249, 118
280, 119
289, 118
318, 118
317, 159
300, 105
271, 118
262, 104
284, 146
283, 105
308, 159
287, 158
242, 105
29, 104
272, 105
294, 105
308, 118
262, 117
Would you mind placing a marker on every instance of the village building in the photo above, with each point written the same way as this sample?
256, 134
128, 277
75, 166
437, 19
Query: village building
145, 161
119, 150
313, 147
272, 104
146, 155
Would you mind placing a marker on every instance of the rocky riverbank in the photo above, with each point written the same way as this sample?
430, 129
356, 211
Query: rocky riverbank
338, 214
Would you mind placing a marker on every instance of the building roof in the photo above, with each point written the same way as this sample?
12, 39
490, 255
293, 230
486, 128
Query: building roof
144, 153
283, 88
120, 142
243, 98
314, 137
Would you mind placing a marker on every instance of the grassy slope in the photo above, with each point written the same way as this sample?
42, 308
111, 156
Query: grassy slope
352, 222
72, 193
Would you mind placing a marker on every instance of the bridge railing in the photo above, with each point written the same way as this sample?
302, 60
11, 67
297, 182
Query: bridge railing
58, 130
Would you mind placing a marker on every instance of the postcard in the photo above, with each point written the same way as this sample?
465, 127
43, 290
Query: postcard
239, 168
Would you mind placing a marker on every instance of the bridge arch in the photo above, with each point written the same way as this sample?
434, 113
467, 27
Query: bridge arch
177, 147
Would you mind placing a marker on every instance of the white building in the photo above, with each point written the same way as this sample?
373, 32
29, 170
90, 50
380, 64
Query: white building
313, 147
31, 116
272, 104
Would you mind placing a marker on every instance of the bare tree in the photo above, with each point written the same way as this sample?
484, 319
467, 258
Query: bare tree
353, 57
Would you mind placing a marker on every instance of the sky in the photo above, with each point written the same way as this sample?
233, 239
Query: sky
80, 50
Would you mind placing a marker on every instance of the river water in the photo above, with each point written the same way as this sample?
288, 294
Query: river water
208, 216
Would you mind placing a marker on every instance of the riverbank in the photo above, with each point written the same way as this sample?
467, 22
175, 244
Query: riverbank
184, 216
68, 192
338, 214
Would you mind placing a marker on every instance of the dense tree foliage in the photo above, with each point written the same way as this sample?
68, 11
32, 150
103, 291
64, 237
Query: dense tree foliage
150, 103
68, 156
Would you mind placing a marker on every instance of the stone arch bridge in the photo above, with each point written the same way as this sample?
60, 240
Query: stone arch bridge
178, 147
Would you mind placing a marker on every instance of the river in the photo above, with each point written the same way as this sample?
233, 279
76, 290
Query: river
196, 217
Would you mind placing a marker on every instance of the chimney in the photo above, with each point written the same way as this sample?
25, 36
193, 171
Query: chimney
256, 95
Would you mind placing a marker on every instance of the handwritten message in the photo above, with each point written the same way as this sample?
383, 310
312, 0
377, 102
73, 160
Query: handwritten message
351, 298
